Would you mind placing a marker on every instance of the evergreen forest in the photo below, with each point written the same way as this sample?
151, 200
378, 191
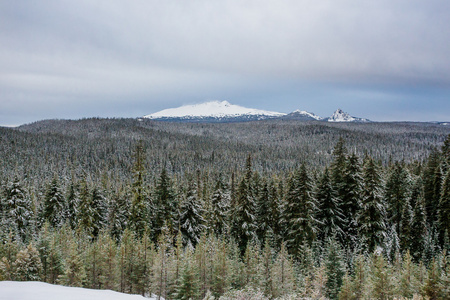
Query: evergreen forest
273, 209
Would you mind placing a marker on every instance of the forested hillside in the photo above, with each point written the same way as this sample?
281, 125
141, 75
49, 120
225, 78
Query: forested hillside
273, 209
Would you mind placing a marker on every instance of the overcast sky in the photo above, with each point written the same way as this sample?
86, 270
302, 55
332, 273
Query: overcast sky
382, 60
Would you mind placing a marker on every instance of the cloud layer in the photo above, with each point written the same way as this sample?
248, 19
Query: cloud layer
82, 58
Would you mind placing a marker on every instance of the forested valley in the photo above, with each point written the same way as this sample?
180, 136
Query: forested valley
254, 210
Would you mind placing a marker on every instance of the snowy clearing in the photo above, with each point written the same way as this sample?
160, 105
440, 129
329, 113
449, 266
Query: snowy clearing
33, 290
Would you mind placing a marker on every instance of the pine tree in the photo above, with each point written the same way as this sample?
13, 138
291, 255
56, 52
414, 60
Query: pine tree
220, 201
444, 209
55, 264
396, 193
334, 270
329, 214
418, 224
27, 265
432, 288
98, 209
75, 273
244, 220
381, 278
164, 207
299, 211
54, 206
138, 221
351, 202
406, 226
118, 214
18, 209
192, 223
337, 167
85, 214
72, 201
431, 184
372, 228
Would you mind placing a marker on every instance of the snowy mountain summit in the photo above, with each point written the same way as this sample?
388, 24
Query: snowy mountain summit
340, 116
213, 111
302, 115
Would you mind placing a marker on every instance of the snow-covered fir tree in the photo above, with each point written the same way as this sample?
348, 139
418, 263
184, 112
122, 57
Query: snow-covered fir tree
191, 219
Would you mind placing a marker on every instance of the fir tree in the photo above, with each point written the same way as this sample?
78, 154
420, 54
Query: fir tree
220, 201
85, 214
98, 210
299, 212
334, 270
18, 209
72, 204
164, 207
406, 226
118, 214
444, 209
372, 228
396, 193
139, 208
351, 202
329, 214
192, 223
431, 183
244, 220
54, 206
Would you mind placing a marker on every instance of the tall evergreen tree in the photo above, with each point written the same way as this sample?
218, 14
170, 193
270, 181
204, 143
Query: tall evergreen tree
444, 210
72, 205
118, 214
192, 223
334, 270
431, 183
99, 210
351, 202
329, 214
27, 265
220, 203
396, 193
18, 209
300, 211
244, 220
371, 217
138, 221
54, 206
164, 206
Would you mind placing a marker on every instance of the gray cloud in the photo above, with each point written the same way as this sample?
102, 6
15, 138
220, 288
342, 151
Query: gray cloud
150, 53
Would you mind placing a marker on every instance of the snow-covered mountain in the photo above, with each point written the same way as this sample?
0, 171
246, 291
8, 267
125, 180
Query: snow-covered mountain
302, 115
340, 116
213, 111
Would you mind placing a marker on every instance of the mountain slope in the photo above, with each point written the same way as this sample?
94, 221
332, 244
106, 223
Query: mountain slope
301, 115
221, 111
340, 116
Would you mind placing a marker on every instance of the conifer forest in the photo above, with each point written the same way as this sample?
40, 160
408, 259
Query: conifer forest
273, 209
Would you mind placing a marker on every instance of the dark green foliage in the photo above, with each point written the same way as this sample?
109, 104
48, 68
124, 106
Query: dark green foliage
72, 204
17, 209
329, 214
396, 193
444, 209
192, 223
334, 270
351, 201
299, 212
220, 203
371, 218
54, 205
138, 219
164, 206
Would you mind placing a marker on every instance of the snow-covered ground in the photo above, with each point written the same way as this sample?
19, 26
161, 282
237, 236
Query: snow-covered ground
33, 290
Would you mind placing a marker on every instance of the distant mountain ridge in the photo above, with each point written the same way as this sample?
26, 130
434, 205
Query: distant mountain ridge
223, 111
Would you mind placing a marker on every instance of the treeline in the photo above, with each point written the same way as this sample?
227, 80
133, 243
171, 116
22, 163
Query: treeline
352, 230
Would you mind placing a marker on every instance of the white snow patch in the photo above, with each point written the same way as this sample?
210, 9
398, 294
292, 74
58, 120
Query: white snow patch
306, 113
34, 290
215, 109
340, 116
